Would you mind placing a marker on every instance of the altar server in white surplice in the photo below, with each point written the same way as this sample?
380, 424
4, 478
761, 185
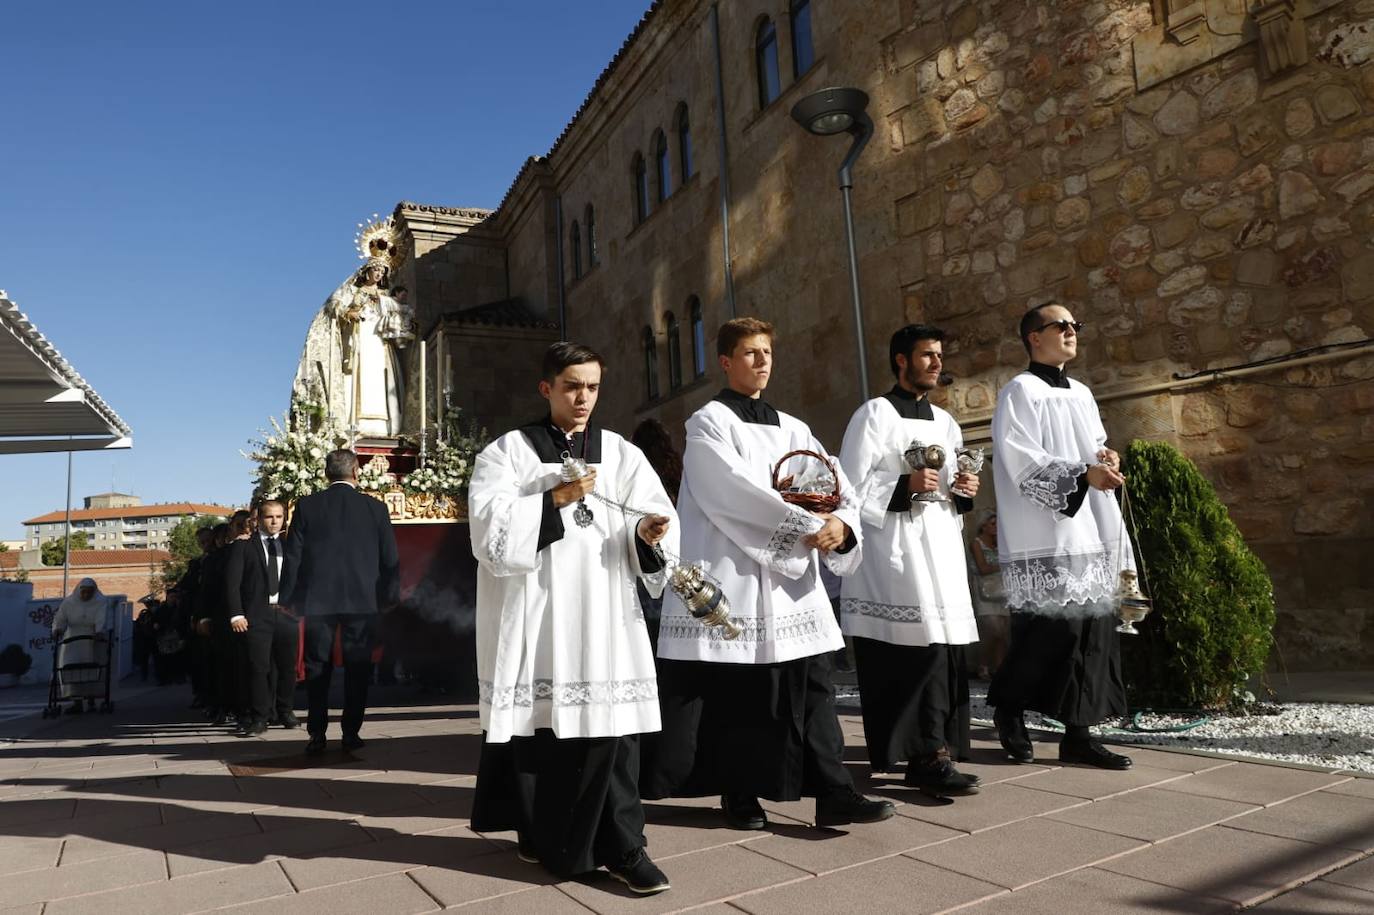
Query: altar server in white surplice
564, 665
908, 607
755, 717
1061, 546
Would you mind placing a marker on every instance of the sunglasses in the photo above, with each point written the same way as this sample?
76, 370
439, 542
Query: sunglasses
1063, 326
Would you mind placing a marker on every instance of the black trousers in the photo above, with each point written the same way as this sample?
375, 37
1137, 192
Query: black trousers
229, 663
764, 730
272, 646
356, 637
915, 701
575, 802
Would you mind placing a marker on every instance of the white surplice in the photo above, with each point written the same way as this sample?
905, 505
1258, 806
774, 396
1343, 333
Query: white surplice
1044, 439
561, 638
911, 588
742, 532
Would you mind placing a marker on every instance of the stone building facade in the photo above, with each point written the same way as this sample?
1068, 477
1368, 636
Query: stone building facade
1195, 180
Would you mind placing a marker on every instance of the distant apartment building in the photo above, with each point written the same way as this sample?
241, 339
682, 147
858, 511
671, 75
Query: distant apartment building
118, 521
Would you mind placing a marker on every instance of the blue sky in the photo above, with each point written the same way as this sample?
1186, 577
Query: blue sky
180, 183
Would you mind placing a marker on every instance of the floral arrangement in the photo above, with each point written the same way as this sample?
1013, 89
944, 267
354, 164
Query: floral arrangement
376, 475
290, 463
445, 473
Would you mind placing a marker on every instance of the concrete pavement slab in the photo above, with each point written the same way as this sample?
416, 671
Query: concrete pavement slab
1359, 875
1358, 787
1320, 898
1091, 891
995, 805
1092, 783
395, 894
820, 850
450, 848
1229, 863
897, 884
1250, 783
1326, 819
127, 869
1025, 852
496, 875
706, 876
1151, 814
22, 853
301, 842
186, 894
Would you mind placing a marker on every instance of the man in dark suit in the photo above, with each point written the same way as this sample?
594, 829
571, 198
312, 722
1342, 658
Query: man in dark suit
252, 583
341, 570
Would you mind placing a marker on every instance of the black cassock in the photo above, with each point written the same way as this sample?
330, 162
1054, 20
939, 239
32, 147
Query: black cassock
763, 730
1067, 668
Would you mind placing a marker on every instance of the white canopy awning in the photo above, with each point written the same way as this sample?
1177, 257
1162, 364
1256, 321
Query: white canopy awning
44, 404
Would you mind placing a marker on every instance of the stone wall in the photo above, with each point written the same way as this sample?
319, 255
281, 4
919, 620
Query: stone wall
1196, 181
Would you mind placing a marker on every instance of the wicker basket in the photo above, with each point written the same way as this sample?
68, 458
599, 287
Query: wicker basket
810, 501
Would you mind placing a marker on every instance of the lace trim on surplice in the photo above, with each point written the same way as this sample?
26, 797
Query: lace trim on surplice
1052, 485
576, 693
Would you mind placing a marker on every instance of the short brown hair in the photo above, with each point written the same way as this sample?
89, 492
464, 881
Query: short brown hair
733, 331
266, 502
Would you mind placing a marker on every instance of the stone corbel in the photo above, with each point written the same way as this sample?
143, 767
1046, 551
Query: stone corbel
1185, 22
1282, 40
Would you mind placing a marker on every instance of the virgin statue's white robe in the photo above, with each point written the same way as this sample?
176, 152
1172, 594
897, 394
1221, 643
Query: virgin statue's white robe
911, 588
368, 395
1044, 439
561, 638
739, 528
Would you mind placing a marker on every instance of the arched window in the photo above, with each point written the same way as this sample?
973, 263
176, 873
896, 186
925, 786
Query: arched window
674, 353
684, 143
663, 171
650, 365
641, 189
766, 61
592, 259
803, 54
698, 337
575, 242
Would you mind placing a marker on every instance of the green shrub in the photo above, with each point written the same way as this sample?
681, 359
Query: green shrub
1213, 601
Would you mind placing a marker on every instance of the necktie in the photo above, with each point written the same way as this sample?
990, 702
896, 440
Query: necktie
273, 579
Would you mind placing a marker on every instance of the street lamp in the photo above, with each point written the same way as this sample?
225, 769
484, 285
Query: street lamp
826, 113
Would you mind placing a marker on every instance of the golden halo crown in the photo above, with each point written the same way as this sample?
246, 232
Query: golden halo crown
380, 240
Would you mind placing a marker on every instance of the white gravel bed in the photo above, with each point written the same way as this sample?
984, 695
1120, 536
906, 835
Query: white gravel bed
1327, 735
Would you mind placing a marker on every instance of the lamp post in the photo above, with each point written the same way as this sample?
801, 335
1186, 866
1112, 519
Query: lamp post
826, 113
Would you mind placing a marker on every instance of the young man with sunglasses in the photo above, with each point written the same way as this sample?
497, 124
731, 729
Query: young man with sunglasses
1061, 545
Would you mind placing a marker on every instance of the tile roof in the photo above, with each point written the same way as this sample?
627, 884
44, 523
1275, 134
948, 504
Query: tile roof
135, 511
94, 559
504, 313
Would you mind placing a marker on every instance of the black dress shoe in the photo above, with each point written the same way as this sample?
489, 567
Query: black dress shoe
288, 720
640, 874
1091, 753
743, 812
849, 806
936, 774
252, 729
353, 742
315, 746
219, 720
1012, 734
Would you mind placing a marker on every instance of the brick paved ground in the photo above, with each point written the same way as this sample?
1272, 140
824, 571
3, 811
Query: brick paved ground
140, 812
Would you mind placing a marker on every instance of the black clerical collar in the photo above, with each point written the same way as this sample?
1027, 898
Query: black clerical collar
910, 405
549, 442
1055, 378
749, 409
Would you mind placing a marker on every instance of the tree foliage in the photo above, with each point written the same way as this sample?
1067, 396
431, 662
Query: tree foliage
54, 552
1213, 613
14, 660
183, 545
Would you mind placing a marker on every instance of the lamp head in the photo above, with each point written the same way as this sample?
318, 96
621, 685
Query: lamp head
830, 111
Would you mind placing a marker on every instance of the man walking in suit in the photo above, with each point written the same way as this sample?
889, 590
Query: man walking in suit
252, 583
341, 570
